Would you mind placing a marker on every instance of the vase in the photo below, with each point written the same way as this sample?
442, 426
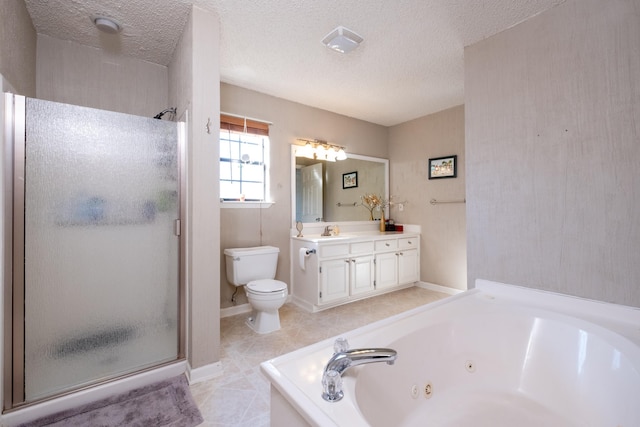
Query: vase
371, 215
382, 224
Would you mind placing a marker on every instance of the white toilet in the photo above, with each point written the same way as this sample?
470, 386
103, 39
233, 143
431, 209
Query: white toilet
256, 268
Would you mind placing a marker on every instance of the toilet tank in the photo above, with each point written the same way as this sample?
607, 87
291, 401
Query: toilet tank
247, 264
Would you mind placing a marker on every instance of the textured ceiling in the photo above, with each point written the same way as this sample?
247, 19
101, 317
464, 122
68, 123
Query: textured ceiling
409, 65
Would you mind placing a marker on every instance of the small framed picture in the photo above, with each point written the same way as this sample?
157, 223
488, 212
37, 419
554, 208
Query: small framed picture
443, 167
350, 180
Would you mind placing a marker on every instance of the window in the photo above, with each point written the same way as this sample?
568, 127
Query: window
244, 153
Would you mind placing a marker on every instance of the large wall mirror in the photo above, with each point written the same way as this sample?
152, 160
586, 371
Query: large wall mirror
323, 191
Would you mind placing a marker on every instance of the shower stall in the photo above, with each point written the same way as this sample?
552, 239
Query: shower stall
92, 247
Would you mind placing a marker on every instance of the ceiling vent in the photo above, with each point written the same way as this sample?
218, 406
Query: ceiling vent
342, 40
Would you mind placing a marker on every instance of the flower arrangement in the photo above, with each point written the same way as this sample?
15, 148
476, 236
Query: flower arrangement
374, 201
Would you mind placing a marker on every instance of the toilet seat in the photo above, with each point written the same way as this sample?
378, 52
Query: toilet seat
266, 286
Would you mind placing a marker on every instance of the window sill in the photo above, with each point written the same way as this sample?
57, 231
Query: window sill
245, 205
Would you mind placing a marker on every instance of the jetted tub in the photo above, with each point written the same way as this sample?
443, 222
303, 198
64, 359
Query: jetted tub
497, 355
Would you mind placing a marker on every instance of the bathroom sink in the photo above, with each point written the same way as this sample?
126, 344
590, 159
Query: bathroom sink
338, 237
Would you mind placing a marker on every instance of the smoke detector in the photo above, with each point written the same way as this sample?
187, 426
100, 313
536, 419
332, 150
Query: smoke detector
106, 25
342, 40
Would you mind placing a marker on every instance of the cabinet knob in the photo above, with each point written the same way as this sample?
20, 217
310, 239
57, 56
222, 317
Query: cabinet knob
353, 260
386, 244
347, 261
410, 242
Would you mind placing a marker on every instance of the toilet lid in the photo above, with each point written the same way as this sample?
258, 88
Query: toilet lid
266, 285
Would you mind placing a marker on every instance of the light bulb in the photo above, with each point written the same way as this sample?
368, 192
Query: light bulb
321, 153
308, 151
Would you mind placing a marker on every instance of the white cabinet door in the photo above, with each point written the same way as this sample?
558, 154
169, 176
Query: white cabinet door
362, 273
334, 280
408, 266
386, 270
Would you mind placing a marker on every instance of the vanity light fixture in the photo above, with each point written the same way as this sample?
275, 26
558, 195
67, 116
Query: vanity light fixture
320, 150
306, 151
332, 154
342, 40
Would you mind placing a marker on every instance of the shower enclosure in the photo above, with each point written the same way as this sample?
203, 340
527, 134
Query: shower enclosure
92, 288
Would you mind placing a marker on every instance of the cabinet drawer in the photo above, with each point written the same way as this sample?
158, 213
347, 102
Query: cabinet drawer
386, 245
408, 242
361, 247
327, 251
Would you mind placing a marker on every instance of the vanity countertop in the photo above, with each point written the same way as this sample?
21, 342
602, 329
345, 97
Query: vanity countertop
355, 236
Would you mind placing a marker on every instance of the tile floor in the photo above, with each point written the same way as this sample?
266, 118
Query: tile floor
240, 397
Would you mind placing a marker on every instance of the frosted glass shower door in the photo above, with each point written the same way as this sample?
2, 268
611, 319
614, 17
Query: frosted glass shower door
101, 254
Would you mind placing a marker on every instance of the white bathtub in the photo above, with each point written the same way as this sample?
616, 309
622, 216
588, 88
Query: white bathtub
498, 355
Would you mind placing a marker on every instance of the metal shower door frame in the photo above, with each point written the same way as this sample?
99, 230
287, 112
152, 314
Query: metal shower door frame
14, 190
13, 181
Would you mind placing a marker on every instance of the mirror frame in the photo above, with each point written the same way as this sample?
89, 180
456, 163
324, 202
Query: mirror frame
350, 156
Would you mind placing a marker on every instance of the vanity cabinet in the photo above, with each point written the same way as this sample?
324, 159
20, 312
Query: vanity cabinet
334, 280
362, 272
397, 262
341, 270
386, 269
341, 278
345, 269
408, 260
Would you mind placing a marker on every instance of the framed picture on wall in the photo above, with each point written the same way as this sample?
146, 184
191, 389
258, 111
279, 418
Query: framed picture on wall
350, 180
443, 167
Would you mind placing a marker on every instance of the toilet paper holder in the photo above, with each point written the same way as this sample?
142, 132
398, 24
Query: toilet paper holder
304, 254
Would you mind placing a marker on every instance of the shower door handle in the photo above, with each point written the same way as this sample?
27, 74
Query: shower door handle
176, 227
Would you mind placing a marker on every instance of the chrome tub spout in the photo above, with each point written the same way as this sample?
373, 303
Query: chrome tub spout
345, 359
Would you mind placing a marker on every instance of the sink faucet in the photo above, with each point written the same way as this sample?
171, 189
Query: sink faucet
327, 231
344, 359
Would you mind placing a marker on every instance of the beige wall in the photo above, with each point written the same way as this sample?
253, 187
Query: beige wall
81, 75
253, 227
194, 67
553, 152
443, 243
180, 95
17, 48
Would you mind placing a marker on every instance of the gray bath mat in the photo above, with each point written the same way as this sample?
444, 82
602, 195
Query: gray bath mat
164, 404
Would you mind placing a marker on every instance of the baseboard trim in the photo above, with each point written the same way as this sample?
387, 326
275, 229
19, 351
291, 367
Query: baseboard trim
204, 373
235, 310
240, 309
438, 288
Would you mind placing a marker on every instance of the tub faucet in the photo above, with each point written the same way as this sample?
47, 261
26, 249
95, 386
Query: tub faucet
344, 359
